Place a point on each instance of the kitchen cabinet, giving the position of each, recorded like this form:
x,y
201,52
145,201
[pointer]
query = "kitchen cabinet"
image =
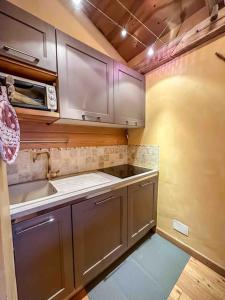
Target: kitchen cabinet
x,y
44,256
61,251
142,209
25,38
99,233
91,86
85,81
129,96
35,115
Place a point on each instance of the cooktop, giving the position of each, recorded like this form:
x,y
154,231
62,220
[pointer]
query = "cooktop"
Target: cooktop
x,y
124,171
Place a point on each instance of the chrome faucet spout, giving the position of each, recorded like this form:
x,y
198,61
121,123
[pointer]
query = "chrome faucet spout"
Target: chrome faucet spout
x,y
50,174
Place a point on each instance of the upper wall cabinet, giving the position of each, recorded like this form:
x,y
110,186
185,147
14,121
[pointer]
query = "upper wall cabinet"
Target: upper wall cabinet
x,y
129,96
85,81
26,38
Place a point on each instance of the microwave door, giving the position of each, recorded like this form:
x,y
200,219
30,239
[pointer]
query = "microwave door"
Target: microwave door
x,y
29,95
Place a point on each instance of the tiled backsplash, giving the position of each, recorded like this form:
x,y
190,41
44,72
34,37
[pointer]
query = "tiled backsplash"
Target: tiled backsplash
x,y
80,159
143,156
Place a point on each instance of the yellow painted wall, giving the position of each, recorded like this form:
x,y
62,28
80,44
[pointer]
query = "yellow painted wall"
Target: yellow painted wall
x,y
63,15
186,116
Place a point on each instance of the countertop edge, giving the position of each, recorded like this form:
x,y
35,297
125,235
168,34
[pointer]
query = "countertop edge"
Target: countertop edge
x,y
61,199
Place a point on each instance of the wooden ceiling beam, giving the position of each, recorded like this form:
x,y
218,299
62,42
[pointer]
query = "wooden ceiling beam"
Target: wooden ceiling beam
x,y
201,33
154,14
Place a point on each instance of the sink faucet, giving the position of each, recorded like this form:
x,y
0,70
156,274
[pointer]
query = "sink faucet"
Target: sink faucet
x,y
50,174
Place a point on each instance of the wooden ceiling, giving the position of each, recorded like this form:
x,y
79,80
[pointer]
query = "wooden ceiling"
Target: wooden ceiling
x,y
157,15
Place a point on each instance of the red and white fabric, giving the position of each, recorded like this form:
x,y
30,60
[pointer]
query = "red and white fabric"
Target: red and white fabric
x,y
9,129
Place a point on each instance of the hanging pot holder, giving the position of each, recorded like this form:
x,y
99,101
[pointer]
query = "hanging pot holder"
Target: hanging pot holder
x,y
9,129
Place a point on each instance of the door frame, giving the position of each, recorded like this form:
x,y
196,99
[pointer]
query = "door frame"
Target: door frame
x,y
8,289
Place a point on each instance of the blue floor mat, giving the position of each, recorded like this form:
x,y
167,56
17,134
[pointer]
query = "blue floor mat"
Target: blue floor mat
x,y
149,273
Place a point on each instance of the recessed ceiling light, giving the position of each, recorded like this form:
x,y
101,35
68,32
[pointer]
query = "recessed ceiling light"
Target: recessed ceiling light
x,y
150,51
123,32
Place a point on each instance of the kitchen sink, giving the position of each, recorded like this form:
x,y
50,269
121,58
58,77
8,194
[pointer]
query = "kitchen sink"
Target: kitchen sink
x,y
24,192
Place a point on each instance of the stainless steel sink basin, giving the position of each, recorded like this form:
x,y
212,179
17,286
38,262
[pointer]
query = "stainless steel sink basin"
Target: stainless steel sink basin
x,y
29,191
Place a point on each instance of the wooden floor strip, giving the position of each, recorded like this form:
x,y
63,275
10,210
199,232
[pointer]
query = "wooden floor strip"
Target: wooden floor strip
x,y
198,282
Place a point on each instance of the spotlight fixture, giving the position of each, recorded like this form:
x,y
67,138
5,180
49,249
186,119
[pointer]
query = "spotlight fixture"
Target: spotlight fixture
x,y
150,51
77,3
123,32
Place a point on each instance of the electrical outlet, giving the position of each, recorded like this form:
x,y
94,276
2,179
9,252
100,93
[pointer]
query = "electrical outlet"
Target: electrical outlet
x,y
180,227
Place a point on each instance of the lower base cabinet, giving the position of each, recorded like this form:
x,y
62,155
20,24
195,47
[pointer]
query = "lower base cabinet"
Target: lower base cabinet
x,y
53,248
99,234
44,257
142,209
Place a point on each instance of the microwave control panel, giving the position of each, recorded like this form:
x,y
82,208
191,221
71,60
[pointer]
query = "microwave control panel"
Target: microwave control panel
x,y
51,97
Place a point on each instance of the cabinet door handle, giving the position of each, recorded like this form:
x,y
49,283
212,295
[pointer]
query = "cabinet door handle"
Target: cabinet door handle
x,y
50,220
133,123
105,200
145,184
86,117
7,48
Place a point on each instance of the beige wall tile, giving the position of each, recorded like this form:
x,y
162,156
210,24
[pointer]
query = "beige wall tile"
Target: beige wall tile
x,y
80,159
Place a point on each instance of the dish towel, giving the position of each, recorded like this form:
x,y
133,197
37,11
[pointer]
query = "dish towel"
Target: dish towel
x,y
9,129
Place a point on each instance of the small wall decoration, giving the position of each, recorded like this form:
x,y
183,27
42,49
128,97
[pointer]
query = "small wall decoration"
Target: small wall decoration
x,y
9,129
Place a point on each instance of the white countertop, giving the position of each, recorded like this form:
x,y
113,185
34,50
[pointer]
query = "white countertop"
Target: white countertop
x,y
76,187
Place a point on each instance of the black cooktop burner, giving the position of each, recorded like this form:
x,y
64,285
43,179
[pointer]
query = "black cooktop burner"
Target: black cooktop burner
x,y
124,171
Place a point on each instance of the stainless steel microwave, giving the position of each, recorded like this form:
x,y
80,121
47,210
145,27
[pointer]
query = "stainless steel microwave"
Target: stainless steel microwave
x,y
30,94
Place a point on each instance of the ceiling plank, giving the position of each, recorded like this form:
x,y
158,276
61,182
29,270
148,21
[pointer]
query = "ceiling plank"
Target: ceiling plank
x,y
155,14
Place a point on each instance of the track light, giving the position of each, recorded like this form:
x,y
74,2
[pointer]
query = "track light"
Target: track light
x,y
77,3
150,51
123,32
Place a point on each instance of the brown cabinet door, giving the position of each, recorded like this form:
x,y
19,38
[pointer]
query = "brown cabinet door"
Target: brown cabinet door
x,y
44,256
85,81
129,96
99,233
142,202
26,38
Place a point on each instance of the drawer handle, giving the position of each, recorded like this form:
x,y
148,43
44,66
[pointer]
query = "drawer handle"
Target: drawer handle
x,y
7,48
145,184
50,220
86,117
134,123
105,200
